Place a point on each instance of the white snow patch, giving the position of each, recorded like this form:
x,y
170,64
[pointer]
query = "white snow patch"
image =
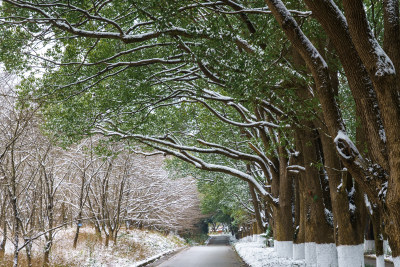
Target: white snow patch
x,y
380,261
256,254
299,252
342,136
396,261
352,207
386,247
328,216
384,66
296,167
382,134
369,245
311,253
327,255
339,187
284,248
258,238
351,256
368,204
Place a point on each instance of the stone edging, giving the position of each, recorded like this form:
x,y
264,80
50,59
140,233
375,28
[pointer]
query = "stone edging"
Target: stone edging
x,y
151,260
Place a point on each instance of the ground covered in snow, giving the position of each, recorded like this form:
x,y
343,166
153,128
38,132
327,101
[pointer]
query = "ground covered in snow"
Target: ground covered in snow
x,y
255,253
132,248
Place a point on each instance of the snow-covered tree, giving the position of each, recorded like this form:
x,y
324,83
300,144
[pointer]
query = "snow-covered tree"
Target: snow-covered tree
x,y
145,72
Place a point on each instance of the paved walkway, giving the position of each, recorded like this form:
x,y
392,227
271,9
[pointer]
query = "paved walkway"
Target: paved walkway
x,y
372,262
217,253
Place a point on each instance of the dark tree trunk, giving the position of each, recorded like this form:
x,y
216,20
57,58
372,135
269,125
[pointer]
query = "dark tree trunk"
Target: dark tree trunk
x,y
385,79
256,206
28,250
319,230
299,181
76,236
283,223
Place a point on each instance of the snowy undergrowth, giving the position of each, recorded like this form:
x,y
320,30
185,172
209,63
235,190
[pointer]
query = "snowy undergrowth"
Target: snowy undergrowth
x,y
132,247
255,253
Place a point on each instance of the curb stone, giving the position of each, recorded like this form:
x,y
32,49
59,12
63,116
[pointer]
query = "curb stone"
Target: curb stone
x,y
245,264
149,262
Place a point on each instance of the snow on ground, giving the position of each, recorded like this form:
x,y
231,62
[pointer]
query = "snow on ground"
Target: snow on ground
x,y
133,247
369,247
386,257
255,253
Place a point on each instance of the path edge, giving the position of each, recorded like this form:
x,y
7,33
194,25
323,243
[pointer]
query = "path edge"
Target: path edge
x,y
168,254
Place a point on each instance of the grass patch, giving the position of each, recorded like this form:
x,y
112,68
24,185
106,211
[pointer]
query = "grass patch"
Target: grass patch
x,y
128,248
8,260
131,246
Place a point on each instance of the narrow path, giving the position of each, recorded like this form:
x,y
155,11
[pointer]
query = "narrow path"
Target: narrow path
x,y
372,262
217,253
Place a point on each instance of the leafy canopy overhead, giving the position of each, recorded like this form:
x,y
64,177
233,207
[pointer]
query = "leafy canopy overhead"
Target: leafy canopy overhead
x,y
121,60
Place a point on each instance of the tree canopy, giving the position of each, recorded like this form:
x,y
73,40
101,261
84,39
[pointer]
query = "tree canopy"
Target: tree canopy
x,y
299,100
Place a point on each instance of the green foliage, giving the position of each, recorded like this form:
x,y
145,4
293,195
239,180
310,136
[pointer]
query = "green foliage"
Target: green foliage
x,y
347,105
219,193
76,103
92,82
194,239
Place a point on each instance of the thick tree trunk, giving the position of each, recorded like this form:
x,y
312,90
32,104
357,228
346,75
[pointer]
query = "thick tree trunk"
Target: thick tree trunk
x,y
335,25
349,230
299,242
314,62
320,245
300,213
385,79
283,230
378,237
391,38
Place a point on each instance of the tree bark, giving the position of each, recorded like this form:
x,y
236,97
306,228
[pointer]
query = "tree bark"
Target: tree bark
x,y
319,229
384,77
300,231
4,227
377,227
75,243
314,61
391,37
335,25
28,250
283,223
